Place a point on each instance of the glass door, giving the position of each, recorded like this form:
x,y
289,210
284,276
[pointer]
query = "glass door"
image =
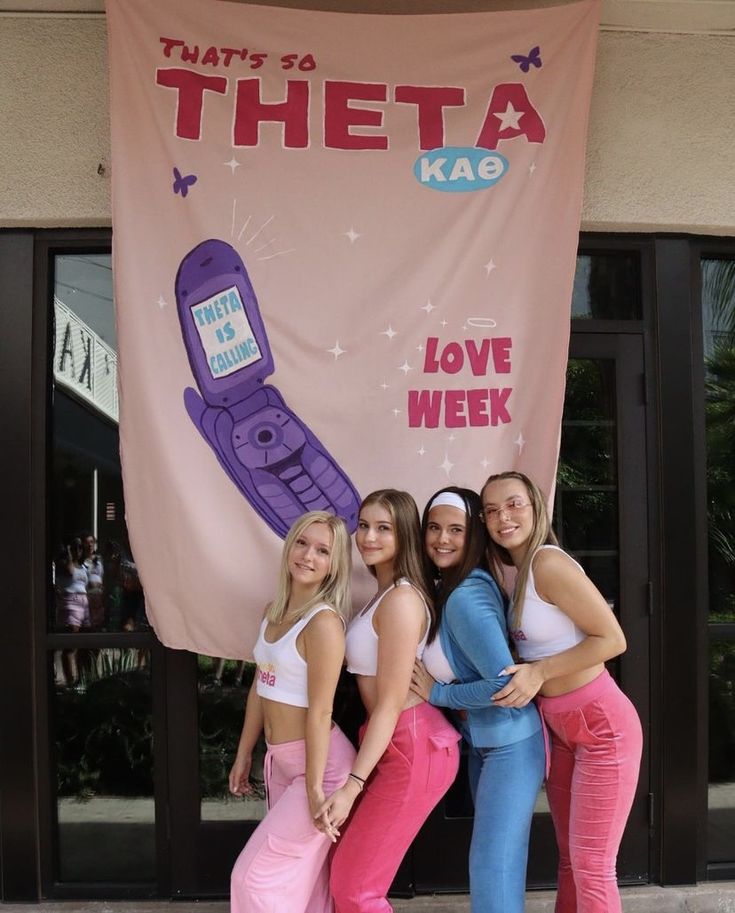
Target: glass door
x,y
601,518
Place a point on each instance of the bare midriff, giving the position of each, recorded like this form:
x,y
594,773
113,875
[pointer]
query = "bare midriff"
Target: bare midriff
x,y
563,684
283,722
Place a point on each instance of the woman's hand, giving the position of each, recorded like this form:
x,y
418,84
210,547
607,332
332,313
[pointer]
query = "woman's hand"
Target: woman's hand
x,y
522,688
421,681
335,810
239,779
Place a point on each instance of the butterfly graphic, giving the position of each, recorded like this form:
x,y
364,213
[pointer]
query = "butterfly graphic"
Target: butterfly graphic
x,y
525,63
183,183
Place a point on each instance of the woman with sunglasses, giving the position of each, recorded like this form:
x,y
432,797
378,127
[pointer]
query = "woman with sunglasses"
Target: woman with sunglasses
x,y
564,632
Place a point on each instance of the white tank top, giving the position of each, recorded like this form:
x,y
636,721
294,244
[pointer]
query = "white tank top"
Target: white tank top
x,y
545,630
281,672
437,664
361,641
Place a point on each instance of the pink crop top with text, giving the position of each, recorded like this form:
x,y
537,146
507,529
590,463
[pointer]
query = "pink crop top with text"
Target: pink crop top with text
x,y
281,672
361,642
545,630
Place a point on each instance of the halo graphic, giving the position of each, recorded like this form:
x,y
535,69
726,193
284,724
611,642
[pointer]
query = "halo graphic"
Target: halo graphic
x,y
481,323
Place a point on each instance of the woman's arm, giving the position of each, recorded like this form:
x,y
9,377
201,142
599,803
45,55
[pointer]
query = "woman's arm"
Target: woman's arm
x,y
399,621
561,582
474,616
324,649
251,728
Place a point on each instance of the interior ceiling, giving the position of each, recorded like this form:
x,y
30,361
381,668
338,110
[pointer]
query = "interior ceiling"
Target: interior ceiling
x,y
677,16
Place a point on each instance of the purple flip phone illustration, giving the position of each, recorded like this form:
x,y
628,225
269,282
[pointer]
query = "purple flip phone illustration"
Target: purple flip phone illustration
x,y
269,452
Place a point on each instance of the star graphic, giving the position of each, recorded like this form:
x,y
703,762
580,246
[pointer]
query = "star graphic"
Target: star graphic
x,y
232,164
452,437
443,322
520,442
162,303
352,235
419,348
428,307
421,450
509,118
490,266
532,167
405,367
447,465
390,333
384,385
484,462
396,412
336,351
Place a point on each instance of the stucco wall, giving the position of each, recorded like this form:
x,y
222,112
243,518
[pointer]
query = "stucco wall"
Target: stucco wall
x,y
661,152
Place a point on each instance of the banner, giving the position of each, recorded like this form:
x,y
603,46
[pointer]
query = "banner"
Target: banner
x,y
344,247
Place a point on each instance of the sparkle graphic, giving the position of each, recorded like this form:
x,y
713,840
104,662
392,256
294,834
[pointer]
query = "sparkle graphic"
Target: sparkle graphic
x,y
419,348
396,412
421,450
162,303
447,465
452,437
443,322
390,333
532,167
405,367
384,385
520,443
428,307
509,118
232,164
352,235
484,462
490,266
336,351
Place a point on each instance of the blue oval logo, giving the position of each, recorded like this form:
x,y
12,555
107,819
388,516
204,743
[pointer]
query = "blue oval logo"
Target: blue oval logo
x,y
459,169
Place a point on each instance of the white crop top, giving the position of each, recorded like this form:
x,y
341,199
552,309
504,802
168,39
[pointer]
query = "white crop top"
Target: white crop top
x,y
281,672
545,630
361,641
437,664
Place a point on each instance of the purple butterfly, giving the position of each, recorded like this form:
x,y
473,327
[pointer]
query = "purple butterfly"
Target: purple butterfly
x,y
182,184
525,63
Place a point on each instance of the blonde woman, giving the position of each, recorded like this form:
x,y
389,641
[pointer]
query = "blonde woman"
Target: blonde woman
x,y
564,632
299,654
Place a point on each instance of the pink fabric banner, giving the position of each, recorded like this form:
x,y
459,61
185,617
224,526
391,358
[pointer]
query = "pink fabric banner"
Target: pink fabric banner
x,y
344,248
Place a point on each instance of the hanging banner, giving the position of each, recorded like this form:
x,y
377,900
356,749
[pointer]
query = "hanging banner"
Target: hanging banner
x,y
344,248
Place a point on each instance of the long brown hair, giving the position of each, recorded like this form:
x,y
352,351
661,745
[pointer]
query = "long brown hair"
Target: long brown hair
x,y
541,534
409,561
474,553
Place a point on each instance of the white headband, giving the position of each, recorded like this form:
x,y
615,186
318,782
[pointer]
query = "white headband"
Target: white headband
x,y
448,499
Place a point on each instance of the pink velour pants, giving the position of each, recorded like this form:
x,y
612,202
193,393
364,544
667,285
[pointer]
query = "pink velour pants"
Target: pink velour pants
x,y
415,771
596,744
283,867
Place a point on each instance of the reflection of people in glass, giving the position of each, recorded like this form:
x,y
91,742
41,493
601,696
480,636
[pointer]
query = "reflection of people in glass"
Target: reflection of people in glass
x,y
95,574
299,653
71,600
506,756
564,632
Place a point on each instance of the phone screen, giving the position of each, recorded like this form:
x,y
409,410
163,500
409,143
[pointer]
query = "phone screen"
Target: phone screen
x,y
225,333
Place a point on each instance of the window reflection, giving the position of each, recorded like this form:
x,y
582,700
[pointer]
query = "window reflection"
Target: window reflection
x,y
102,733
607,287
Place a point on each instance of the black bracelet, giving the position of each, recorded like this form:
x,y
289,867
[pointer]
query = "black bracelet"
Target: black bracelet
x,y
359,779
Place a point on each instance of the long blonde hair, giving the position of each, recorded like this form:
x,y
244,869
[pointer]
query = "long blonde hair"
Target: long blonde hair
x,y
541,534
335,588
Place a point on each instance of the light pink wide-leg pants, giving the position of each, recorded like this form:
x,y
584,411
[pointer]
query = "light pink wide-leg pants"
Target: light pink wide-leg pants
x,y
283,867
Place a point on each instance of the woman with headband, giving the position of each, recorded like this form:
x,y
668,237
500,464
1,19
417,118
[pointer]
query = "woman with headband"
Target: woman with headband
x,y
461,669
408,753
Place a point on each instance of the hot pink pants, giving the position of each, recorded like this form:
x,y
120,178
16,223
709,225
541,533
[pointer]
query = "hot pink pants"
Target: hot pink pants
x,y
596,743
417,768
283,867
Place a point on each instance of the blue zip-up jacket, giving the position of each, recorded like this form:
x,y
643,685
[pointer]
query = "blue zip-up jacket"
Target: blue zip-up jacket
x,y
474,636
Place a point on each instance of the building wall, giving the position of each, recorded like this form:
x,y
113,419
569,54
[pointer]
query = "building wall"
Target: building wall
x,y
660,155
